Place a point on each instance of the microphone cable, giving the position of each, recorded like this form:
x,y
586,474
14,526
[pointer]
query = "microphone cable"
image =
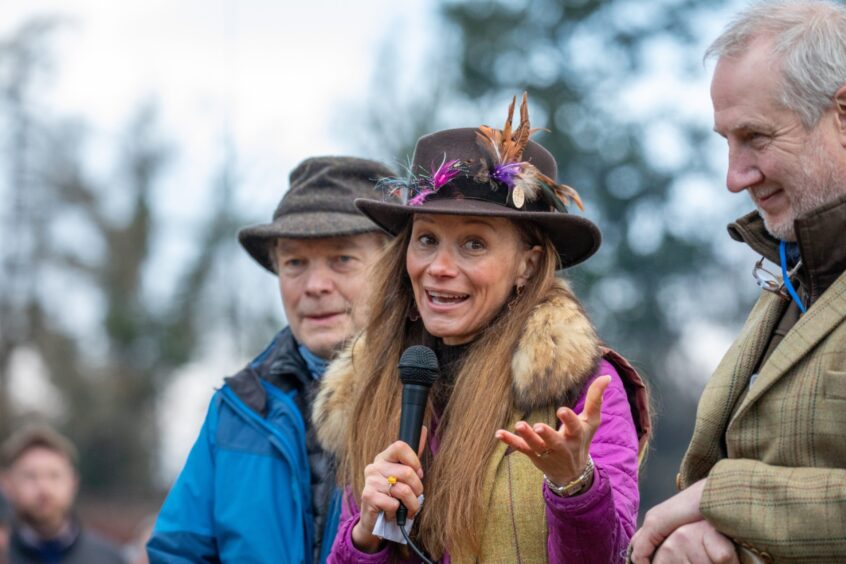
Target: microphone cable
x,y
413,546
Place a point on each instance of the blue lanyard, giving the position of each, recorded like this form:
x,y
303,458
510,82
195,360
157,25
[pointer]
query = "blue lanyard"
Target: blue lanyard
x,y
782,253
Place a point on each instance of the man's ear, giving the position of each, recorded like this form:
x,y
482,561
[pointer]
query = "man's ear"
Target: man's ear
x,y
840,108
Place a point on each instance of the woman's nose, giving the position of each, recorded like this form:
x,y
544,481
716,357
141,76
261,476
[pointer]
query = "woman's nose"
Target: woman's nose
x,y
443,264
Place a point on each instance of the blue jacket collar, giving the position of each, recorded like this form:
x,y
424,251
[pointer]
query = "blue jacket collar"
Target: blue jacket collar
x,y
280,364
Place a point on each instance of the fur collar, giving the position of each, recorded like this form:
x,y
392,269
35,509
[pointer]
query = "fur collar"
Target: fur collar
x,y
558,352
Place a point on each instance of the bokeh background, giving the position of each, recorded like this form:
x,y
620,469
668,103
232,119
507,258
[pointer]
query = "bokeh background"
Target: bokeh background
x,y
137,136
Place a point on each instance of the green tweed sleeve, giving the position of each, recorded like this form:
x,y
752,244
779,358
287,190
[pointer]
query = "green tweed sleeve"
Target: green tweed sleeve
x,y
787,513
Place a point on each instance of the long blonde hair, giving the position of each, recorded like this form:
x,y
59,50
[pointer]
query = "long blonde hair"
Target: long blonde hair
x,y
481,400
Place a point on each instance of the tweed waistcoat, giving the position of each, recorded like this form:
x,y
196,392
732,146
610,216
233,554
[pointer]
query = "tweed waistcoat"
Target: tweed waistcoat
x,y
515,528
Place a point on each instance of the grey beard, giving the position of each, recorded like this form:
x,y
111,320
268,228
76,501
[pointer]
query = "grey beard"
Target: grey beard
x,y
817,191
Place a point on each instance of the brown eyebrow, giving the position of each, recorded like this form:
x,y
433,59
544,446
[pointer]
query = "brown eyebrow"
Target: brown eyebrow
x,y
469,221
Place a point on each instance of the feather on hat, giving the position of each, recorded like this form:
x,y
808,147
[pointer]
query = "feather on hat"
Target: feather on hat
x,y
491,172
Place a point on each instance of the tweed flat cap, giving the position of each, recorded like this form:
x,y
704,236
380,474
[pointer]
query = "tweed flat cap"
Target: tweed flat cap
x,y
319,203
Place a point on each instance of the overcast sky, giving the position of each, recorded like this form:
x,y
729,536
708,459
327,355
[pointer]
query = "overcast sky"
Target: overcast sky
x,y
273,73
275,77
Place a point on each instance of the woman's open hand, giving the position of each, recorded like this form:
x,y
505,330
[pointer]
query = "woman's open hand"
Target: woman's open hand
x,y
401,464
561,454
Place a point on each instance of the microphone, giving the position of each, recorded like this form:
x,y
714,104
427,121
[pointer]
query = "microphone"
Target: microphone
x,y
418,370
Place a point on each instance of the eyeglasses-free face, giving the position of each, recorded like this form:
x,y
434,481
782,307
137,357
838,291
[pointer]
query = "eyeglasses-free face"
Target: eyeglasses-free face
x,y
463,269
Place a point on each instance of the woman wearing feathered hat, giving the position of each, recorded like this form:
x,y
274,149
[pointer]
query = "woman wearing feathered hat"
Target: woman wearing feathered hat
x,y
535,429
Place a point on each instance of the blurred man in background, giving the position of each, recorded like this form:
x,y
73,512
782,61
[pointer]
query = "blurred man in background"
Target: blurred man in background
x,y
41,481
766,467
257,487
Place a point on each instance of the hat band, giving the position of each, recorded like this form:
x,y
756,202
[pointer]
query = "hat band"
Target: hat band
x,y
465,187
312,207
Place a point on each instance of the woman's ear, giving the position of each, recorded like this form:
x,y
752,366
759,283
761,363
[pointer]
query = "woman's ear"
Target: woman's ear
x,y
528,264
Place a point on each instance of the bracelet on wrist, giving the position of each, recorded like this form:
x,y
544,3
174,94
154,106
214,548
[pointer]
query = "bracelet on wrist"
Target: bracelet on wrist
x,y
576,486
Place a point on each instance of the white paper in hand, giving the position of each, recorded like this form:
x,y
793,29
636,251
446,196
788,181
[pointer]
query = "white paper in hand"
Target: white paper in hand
x,y
389,530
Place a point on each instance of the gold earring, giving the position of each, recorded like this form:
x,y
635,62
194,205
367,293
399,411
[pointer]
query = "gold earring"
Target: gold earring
x,y
517,291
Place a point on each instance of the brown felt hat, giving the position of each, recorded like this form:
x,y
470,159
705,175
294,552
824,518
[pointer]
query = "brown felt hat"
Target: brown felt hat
x,y
319,203
473,191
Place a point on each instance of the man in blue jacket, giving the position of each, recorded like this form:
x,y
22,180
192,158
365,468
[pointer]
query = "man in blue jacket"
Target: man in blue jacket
x,y
256,487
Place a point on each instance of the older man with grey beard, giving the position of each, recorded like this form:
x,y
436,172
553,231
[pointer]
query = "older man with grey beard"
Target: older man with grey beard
x,y
764,477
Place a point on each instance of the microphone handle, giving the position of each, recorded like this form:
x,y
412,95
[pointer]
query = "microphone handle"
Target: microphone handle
x,y
414,397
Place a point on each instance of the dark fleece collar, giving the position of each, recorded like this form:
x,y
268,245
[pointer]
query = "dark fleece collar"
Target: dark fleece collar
x,y
280,364
820,235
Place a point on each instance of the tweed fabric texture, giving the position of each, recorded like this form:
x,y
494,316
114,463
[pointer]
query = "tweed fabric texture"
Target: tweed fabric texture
x,y
319,203
776,463
514,529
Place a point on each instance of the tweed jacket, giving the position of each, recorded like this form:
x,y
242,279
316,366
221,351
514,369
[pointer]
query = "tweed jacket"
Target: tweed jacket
x,y
557,355
774,452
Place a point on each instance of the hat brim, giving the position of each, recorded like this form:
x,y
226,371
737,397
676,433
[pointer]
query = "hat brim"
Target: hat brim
x,y
257,239
575,238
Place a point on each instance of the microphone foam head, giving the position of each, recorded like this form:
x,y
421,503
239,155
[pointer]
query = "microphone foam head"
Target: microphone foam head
x,y
418,365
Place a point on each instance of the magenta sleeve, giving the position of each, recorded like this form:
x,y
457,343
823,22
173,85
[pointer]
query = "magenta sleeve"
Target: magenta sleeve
x,y
596,526
343,549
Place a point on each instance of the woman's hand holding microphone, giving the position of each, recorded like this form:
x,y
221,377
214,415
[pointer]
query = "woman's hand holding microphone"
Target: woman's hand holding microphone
x,y
395,476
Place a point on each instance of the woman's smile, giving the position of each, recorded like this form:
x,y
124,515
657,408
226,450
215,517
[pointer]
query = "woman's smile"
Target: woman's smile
x,y
440,298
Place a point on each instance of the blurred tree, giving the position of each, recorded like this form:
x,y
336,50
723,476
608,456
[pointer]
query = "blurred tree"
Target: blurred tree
x,y
24,63
576,59
77,247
